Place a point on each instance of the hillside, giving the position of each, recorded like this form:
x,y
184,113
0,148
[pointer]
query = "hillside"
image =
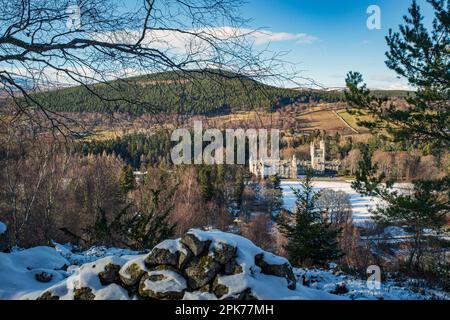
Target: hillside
x,y
207,92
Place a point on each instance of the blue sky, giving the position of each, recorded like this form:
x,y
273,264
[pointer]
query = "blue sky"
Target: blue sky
x,y
338,39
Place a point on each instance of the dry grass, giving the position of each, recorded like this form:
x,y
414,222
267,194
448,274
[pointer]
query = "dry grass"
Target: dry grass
x,y
352,120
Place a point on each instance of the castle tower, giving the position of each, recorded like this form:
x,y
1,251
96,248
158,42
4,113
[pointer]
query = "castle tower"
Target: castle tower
x,y
318,156
322,150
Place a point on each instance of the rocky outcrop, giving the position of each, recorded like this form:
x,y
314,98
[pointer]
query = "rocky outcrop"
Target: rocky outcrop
x,y
202,263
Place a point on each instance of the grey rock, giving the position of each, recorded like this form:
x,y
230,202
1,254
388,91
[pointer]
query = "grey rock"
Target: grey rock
x,y
131,274
47,295
201,270
84,293
196,245
176,293
279,270
161,256
109,275
223,252
43,277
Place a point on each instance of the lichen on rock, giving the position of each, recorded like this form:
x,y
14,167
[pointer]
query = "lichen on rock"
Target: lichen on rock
x,y
201,270
84,293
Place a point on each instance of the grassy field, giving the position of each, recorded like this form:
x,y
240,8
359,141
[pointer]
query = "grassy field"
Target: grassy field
x,y
322,118
352,120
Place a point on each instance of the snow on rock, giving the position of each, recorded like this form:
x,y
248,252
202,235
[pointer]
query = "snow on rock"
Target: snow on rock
x,y
201,265
169,252
98,280
30,270
163,284
132,271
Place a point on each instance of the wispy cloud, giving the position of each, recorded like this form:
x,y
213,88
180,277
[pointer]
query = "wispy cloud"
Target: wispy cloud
x,y
389,82
264,36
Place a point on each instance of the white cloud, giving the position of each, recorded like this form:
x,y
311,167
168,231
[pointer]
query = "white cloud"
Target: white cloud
x,y
181,39
388,81
263,37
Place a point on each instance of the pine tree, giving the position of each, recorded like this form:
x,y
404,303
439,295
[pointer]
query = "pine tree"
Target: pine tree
x,y
100,232
126,179
421,56
310,239
145,226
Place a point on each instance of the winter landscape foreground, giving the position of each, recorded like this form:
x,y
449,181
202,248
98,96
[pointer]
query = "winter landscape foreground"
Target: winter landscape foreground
x,y
202,265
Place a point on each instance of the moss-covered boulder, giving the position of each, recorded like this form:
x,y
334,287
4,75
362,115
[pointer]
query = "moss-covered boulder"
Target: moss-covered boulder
x,y
219,289
169,252
224,252
132,272
110,274
161,256
84,293
201,270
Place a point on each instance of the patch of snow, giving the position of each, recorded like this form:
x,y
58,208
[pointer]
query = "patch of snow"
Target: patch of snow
x,y
326,280
18,270
92,254
172,282
86,276
2,228
361,204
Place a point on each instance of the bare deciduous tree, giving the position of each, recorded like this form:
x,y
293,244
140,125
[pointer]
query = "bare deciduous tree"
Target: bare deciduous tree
x,y
46,44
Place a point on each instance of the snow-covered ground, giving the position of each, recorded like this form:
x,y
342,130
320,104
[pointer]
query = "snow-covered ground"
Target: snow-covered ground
x,y
358,289
58,272
360,204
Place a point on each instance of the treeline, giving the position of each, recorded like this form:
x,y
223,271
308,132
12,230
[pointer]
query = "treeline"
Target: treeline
x,y
134,149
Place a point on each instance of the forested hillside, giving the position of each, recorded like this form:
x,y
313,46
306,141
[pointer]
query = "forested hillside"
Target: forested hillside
x,y
207,92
